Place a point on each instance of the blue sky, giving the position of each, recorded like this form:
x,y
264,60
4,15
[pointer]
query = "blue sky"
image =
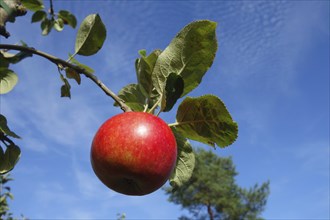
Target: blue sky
x,y
271,70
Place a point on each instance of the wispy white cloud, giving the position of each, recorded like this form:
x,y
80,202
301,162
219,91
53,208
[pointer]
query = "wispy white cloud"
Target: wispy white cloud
x,y
314,158
248,34
51,194
41,112
87,182
262,43
299,173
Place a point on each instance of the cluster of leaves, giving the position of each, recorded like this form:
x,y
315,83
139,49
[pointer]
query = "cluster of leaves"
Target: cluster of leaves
x,y
163,77
5,195
49,19
212,193
88,42
8,78
11,155
9,151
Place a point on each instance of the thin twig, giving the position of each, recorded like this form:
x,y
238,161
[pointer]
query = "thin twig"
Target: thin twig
x,y
51,9
62,63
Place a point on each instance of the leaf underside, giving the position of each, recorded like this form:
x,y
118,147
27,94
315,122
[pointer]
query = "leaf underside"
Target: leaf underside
x,y
190,54
133,97
185,161
207,120
8,80
91,36
9,158
173,91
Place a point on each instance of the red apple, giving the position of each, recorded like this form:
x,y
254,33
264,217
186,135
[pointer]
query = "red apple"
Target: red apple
x,y
134,153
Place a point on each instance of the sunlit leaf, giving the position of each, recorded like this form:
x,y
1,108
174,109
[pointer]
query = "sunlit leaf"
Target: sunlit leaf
x,y
8,80
68,18
5,129
133,97
6,58
33,5
14,58
207,120
7,9
59,24
185,161
46,26
144,67
190,54
91,36
143,53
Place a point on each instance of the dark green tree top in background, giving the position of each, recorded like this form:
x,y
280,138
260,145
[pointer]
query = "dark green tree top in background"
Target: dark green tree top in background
x,y
212,192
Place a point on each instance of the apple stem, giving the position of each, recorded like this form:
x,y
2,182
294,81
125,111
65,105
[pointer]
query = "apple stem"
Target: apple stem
x,y
145,108
62,64
158,113
155,106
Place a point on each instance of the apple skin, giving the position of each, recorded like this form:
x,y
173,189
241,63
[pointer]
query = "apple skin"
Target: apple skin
x,y
134,153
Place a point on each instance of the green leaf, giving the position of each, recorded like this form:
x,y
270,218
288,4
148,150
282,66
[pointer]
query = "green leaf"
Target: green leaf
x,y
38,16
72,74
9,159
144,67
76,62
59,24
173,91
68,18
5,129
190,54
185,161
15,58
143,53
4,63
7,9
133,97
65,89
8,80
10,195
46,26
91,36
2,163
6,57
207,120
33,5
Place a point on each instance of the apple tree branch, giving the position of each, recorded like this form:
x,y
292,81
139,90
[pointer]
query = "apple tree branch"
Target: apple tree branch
x,y
62,64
